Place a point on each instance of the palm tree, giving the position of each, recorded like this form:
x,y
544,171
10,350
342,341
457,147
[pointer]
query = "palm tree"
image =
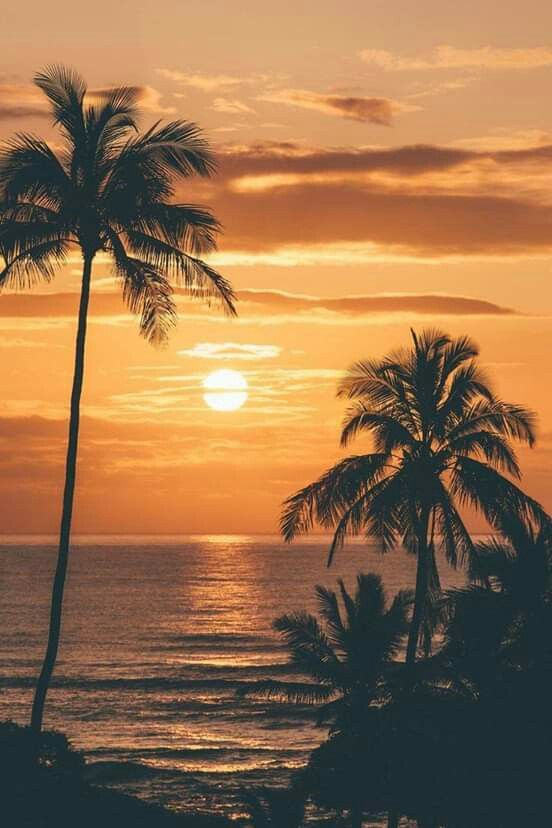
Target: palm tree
x,y
349,656
107,189
495,665
442,441
498,626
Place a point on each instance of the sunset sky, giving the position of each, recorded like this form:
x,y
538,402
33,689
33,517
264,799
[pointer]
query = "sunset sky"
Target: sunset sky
x,y
383,165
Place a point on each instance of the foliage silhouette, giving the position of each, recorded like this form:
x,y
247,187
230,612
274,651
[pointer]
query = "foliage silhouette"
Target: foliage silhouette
x,y
43,784
498,634
350,656
108,189
442,441
477,716
483,735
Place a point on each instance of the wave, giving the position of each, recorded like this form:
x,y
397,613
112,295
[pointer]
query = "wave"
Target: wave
x,y
217,641
230,678
118,771
199,752
126,773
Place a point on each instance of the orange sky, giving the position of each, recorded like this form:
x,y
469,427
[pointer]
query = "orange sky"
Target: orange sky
x,y
367,149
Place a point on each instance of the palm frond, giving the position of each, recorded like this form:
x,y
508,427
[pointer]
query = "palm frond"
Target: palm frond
x,y
467,384
65,89
309,645
198,278
286,691
484,488
389,432
449,525
490,446
512,421
108,122
34,264
325,500
454,354
328,606
147,293
184,226
30,171
176,148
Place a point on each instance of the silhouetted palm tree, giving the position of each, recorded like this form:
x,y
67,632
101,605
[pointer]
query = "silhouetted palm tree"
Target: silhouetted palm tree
x,y
106,189
350,655
492,715
500,624
442,441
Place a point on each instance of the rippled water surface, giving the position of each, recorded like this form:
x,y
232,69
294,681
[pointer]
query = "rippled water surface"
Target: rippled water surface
x,y
158,635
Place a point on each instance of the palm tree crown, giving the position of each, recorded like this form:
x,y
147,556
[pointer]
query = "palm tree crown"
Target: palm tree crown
x,y
110,189
498,626
349,654
442,442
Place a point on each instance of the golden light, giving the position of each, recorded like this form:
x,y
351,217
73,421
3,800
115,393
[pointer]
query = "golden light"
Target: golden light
x,y
225,390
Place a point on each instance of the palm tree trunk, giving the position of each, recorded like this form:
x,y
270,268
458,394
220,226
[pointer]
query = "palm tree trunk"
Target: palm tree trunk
x,y
50,656
393,819
420,596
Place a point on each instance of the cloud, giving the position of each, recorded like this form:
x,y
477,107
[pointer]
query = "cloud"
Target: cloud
x,y
231,105
204,82
37,308
149,99
379,111
415,223
231,350
21,101
425,304
449,57
286,157
412,201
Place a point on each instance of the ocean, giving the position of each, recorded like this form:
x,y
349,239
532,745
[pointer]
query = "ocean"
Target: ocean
x,y
158,635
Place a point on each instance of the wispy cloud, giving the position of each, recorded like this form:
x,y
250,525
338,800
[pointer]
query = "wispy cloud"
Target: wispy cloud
x,y
231,105
379,111
450,57
423,201
429,304
149,99
21,100
43,310
231,350
263,307
207,82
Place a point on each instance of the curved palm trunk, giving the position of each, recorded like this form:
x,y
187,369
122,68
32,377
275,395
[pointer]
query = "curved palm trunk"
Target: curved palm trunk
x,y
50,656
393,819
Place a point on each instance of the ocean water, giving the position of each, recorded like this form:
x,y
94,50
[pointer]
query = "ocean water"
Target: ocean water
x,y
158,635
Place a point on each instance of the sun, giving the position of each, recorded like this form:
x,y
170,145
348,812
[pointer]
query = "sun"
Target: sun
x,y
225,390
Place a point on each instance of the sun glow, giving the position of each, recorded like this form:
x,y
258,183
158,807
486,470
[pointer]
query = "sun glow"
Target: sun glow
x,y
225,390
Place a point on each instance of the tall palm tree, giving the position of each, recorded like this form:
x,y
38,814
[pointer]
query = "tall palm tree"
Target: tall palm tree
x,y
349,656
107,189
442,441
